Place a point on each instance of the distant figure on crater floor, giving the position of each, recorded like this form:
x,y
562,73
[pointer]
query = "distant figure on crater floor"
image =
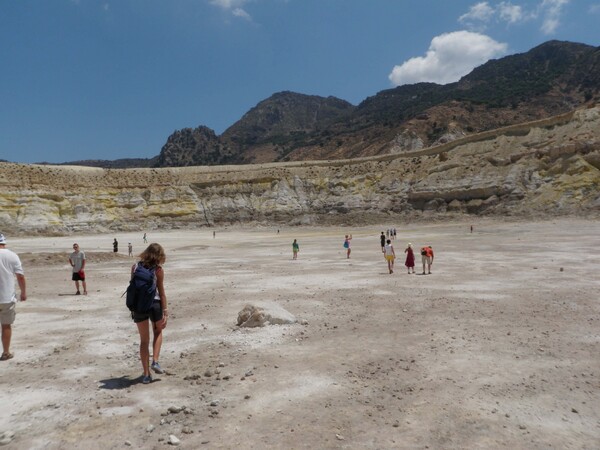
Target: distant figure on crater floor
x,y
389,255
295,249
77,261
347,245
410,258
382,240
145,239
427,258
130,249
115,246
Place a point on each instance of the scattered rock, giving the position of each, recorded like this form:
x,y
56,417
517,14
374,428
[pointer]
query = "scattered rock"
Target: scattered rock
x,y
173,440
253,316
6,437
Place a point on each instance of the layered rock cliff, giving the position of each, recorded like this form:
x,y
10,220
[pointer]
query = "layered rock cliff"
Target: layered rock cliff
x,y
548,167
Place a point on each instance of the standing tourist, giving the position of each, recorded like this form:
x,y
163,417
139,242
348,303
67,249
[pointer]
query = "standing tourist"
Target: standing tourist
x,y
115,246
145,239
130,249
77,261
390,255
410,258
152,259
427,258
382,240
347,245
295,249
10,266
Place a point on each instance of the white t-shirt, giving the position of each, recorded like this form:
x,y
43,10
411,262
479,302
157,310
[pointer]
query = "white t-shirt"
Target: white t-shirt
x,y
10,264
77,259
388,250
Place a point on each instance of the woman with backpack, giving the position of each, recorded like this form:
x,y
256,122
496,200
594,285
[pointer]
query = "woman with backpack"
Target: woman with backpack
x,y
151,260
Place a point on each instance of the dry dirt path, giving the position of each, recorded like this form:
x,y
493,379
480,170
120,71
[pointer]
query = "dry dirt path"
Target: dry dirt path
x,y
498,348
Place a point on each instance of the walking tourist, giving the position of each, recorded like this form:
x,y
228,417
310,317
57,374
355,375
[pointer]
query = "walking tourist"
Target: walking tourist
x,y
10,267
390,255
152,259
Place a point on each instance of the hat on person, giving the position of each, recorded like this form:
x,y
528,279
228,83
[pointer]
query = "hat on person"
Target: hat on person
x,y
2,239
409,244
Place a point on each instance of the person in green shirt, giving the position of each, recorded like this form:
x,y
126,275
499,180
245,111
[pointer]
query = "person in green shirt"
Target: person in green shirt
x,y
295,249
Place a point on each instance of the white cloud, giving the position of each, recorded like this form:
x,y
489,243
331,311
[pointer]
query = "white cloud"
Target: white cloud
x,y
481,11
228,4
511,13
552,12
450,56
233,6
239,12
548,11
595,9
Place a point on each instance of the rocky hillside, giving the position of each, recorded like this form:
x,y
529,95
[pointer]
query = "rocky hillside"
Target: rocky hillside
x,y
548,80
547,167
263,134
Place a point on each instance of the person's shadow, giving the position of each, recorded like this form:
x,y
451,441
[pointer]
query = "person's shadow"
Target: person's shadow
x,y
120,382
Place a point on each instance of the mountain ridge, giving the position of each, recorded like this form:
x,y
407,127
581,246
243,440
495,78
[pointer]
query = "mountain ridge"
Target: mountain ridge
x,y
550,79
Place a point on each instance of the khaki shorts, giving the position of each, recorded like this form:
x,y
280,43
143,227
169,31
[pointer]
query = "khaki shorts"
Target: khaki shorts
x,y
426,259
7,313
389,257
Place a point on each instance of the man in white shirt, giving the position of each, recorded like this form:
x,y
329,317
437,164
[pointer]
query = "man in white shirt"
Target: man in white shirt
x,y
10,266
77,261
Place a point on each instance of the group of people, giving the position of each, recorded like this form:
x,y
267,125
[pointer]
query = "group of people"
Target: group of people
x,y
152,258
388,252
390,256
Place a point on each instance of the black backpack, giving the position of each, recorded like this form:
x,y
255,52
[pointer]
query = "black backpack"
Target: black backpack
x,y
141,290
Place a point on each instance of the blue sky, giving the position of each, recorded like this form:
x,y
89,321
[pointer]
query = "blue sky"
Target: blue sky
x,y
108,79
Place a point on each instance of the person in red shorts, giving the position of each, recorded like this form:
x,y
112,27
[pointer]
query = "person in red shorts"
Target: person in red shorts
x,y
77,261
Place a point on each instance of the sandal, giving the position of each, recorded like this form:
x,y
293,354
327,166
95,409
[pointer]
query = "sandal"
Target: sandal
x,y
6,356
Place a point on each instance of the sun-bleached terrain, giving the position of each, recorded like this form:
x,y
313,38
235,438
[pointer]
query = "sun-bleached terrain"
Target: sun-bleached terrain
x,y
498,348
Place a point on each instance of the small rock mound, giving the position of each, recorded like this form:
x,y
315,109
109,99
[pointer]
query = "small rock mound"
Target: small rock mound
x,y
253,316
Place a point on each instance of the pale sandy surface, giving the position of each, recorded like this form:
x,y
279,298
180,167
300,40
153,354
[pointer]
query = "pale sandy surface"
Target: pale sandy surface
x,y
498,348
